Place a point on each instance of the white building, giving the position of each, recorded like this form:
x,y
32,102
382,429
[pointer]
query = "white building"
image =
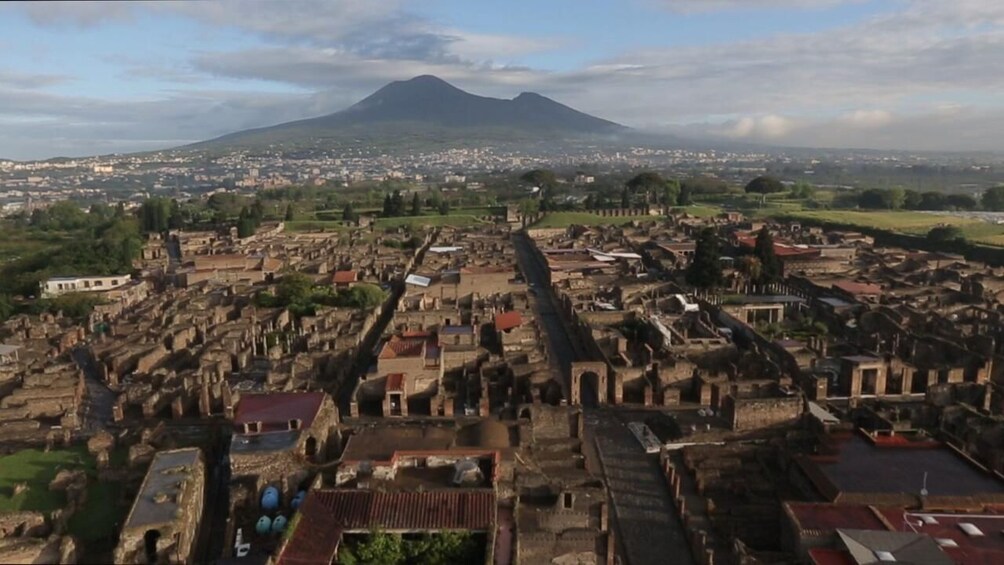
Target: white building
x,y
62,285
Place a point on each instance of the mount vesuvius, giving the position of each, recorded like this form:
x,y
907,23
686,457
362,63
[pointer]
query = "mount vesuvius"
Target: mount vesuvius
x,y
430,109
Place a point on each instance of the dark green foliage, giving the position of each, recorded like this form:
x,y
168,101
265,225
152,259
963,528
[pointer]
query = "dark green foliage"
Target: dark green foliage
x,y
104,248
443,548
298,293
348,214
942,234
416,205
912,200
705,270
246,224
802,190
993,199
961,202
444,207
226,203
770,265
542,178
704,185
63,215
6,308
625,198
155,214
76,305
290,215
764,185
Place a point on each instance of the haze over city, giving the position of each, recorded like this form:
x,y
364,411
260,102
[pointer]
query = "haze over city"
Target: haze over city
x,y
82,78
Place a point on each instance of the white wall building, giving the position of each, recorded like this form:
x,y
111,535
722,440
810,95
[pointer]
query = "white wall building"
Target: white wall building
x,y
62,285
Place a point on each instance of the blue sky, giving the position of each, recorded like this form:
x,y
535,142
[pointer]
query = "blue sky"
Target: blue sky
x,y
79,78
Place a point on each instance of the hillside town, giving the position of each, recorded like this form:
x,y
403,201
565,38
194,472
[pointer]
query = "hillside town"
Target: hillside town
x,y
508,394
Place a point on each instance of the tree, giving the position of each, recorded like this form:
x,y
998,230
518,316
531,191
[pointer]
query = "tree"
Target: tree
x,y
942,234
961,202
625,198
528,208
932,200
652,184
897,198
803,190
751,267
763,250
875,199
388,206
704,185
290,214
257,212
154,214
912,200
348,213
294,288
397,204
764,184
176,218
377,547
705,270
6,308
444,207
542,178
416,205
365,296
993,199
245,223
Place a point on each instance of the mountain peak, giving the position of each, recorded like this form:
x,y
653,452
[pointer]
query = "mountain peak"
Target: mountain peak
x,y
413,106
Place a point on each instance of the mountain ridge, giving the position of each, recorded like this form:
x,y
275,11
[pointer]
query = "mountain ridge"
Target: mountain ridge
x,y
429,104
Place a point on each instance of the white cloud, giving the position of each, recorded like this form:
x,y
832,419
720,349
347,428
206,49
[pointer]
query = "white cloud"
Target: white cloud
x,y
702,6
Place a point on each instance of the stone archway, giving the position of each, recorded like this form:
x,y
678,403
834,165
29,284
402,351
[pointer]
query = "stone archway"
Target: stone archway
x,y
593,376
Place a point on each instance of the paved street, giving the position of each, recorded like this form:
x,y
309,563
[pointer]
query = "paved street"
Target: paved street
x,y
644,517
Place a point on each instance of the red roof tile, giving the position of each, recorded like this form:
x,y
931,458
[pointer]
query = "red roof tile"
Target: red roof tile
x,y
432,510
824,556
395,382
828,517
278,408
402,347
312,541
854,288
344,277
508,320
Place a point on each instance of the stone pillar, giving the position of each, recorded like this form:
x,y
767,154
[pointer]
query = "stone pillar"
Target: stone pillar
x,y
118,409
855,391
177,407
880,380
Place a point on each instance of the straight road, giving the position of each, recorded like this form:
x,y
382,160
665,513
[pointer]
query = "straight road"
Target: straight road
x,y
647,527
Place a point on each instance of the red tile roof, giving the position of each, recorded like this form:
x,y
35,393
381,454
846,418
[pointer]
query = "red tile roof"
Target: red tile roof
x,y
432,510
823,556
780,249
508,320
275,410
344,277
327,513
815,517
402,347
312,541
855,288
395,382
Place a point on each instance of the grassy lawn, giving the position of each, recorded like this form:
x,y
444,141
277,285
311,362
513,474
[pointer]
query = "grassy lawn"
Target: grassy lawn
x,y
699,210
101,512
37,468
565,219
459,221
315,225
17,242
916,223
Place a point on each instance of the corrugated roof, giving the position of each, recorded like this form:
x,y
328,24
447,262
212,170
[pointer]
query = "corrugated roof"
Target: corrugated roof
x,y
278,408
433,510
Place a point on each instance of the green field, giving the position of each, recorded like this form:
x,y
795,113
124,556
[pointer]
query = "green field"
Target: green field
x,y
565,219
699,210
915,223
36,468
315,225
413,222
17,242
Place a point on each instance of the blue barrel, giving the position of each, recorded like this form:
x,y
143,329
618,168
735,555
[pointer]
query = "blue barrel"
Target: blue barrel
x,y
263,526
279,524
270,499
298,500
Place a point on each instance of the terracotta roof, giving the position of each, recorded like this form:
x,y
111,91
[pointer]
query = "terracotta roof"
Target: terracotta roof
x,y
821,518
780,249
432,510
344,277
402,347
313,541
395,382
275,410
508,320
853,288
825,556
486,270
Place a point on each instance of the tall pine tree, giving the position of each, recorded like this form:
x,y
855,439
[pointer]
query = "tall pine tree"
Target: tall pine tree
x,y
770,265
705,270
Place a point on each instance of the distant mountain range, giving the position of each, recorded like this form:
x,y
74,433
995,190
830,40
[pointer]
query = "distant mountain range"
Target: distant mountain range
x,y
429,109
